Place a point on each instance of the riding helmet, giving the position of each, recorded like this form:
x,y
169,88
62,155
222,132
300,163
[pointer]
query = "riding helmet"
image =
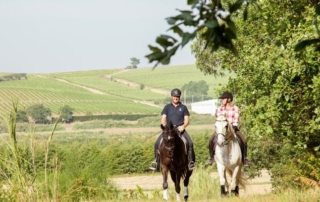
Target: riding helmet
x,y
176,92
226,95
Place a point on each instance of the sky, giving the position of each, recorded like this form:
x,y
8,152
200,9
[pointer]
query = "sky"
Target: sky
x,y
42,36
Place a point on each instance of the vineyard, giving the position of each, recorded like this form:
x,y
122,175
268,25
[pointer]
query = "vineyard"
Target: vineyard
x,y
98,91
55,94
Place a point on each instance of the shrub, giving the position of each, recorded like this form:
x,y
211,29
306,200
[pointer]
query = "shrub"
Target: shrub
x,y
66,114
39,113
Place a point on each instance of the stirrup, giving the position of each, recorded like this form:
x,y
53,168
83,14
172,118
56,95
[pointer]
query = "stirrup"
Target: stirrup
x,y
191,165
153,166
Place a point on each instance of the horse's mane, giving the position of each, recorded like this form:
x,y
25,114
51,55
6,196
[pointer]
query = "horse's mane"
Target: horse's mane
x,y
231,132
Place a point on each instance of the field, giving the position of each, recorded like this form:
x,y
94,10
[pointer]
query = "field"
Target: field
x,y
123,107
141,91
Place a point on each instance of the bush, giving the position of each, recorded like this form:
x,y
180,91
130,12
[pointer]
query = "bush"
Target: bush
x,y
22,116
39,113
66,114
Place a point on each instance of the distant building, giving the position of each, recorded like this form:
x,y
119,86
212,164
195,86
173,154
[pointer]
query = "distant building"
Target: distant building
x,y
205,107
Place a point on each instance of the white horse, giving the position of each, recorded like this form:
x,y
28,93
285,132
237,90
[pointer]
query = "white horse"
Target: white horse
x,y
228,157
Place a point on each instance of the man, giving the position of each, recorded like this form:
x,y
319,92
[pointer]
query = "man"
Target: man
x,y
178,114
232,113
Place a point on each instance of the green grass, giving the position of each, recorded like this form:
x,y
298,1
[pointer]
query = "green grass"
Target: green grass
x,y
169,77
100,82
55,94
75,162
117,98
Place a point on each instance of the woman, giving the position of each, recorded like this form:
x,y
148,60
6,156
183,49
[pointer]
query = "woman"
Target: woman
x,y
232,114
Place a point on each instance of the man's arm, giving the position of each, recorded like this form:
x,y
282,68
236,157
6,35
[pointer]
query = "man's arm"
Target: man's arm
x,y
185,124
163,120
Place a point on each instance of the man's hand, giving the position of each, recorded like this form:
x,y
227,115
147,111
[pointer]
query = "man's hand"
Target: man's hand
x,y
181,128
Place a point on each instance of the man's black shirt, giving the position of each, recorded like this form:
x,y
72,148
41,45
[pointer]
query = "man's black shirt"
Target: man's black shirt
x,y
176,114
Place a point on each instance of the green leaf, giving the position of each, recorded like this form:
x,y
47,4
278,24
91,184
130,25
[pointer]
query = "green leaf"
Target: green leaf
x,y
172,20
192,2
176,29
165,41
155,56
168,54
211,24
187,18
186,37
154,49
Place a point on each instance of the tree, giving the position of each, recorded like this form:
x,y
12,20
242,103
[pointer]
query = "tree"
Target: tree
x,y
198,90
212,20
39,113
66,113
275,53
22,116
277,89
134,63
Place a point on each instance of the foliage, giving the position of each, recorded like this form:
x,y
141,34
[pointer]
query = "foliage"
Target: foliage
x,y
134,63
22,116
66,113
211,20
276,88
39,113
16,76
196,90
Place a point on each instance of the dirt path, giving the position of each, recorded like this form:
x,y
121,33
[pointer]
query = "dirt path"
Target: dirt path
x,y
92,90
135,85
99,92
257,186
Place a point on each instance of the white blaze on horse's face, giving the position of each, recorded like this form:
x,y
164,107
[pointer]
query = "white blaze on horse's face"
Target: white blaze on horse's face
x,y
221,129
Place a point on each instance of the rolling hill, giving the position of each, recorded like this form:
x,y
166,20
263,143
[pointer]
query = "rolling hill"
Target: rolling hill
x,y
116,91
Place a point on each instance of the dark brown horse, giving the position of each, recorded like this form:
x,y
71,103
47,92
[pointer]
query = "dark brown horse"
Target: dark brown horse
x,y
173,158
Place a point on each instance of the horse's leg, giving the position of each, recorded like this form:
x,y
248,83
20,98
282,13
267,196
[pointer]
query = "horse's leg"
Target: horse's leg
x,y
234,181
186,183
165,182
177,185
222,177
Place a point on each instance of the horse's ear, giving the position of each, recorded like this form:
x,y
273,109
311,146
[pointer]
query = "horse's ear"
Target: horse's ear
x,y
170,125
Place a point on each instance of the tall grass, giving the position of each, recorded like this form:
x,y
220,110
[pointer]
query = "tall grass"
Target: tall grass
x,y
53,168
34,172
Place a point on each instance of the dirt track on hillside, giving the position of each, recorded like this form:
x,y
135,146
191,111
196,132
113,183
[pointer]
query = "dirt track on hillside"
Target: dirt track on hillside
x,y
257,186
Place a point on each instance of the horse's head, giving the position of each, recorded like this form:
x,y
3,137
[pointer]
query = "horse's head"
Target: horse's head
x,y
169,132
223,130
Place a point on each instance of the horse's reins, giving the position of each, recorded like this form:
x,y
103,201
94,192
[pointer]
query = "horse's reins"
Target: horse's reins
x,y
226,142
171,148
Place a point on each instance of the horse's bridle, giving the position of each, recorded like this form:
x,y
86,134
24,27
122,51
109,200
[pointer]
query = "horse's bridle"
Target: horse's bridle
x,y
226,140
170,138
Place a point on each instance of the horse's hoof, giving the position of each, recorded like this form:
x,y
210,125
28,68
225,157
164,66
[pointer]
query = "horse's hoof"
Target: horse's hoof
x,y
235,192
186,198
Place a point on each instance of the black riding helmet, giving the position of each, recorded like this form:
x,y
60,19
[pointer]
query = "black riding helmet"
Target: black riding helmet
x,y
226,95
176,92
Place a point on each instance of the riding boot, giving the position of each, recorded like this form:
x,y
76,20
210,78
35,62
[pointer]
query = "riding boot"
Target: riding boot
x,y
211,146
155,165
191,158
243,147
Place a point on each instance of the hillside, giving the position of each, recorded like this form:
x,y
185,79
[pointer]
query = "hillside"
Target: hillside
x,y
117,91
